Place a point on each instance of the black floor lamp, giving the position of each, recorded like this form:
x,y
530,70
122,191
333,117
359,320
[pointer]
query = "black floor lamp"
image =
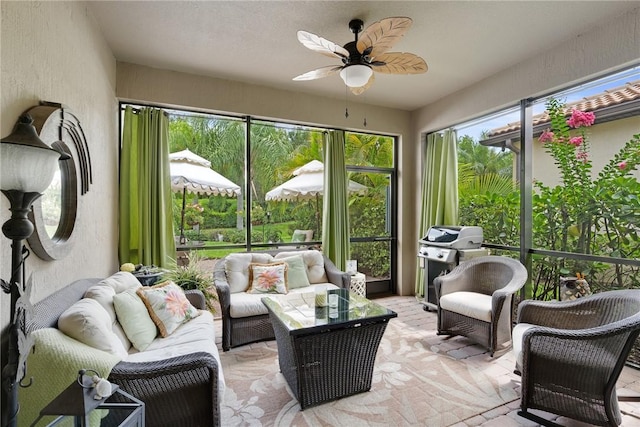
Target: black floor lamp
x,y
27,168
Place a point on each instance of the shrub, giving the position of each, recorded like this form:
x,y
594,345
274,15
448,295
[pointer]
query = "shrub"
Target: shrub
x,y
191,277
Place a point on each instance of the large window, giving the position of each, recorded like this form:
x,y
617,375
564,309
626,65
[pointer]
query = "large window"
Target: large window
x,y
572,203
488,189
278,169
370,161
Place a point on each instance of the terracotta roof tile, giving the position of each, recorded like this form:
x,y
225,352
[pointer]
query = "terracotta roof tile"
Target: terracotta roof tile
x,y
620,95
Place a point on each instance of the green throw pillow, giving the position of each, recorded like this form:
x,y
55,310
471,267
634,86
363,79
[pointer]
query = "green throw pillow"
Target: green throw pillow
x,y
297,271
135,319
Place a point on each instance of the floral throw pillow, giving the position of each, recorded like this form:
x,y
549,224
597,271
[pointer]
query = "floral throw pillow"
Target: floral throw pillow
x,y
268,278
167,305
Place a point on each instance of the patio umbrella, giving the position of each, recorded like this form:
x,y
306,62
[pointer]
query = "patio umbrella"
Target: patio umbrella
x,y
192,173
307,183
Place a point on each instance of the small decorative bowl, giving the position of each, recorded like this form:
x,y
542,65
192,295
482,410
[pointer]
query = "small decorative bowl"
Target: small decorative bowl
x,y
147,278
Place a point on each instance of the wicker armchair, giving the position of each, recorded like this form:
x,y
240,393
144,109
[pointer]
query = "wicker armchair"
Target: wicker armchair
x,y
570,355
476,299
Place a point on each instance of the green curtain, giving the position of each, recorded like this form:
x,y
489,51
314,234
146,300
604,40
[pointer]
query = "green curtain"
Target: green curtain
x,y
335,213
146,214
439,189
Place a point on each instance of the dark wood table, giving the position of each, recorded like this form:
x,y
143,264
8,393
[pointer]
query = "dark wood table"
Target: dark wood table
x,y
326,353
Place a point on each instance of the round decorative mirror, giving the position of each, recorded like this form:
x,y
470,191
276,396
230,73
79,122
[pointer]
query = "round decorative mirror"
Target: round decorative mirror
x,y
54,213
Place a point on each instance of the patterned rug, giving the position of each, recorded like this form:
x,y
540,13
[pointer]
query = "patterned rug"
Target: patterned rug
x,y
419,379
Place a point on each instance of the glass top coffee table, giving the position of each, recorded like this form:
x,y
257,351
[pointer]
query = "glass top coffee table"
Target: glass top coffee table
x,y
326,353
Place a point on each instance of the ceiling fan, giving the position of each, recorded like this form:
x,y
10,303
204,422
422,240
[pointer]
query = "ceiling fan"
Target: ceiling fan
x,y
366,54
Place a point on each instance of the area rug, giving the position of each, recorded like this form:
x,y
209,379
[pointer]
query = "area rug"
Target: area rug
x,y
416,381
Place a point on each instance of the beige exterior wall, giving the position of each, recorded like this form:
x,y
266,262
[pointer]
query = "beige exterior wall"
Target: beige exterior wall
x,y
54,51
605,140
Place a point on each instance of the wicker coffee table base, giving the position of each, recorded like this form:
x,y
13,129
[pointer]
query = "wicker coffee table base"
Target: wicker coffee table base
x,y
329,365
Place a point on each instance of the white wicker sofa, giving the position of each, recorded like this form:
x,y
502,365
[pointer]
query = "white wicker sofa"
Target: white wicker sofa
x,y
245,318
84,326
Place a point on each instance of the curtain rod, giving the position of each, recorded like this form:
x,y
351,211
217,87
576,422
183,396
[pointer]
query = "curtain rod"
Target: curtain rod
x,y
137,110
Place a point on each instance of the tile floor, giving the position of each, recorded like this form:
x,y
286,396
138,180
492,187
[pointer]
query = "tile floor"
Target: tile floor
x,y
464,350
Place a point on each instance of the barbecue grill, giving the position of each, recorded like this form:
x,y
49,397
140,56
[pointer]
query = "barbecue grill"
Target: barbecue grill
x,y
442,249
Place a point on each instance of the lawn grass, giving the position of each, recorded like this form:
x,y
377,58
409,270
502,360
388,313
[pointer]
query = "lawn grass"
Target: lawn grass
x,y
209,249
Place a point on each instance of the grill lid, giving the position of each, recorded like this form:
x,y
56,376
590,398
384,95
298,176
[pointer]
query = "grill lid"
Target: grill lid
x,y
441,234
455,237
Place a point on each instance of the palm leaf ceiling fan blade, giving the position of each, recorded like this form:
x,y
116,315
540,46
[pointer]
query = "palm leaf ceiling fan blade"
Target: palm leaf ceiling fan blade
x,y
322,45
319,73
365,54
382,35
400,63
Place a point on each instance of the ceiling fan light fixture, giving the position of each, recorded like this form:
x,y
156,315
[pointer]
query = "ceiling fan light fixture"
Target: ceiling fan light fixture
x,y
356,75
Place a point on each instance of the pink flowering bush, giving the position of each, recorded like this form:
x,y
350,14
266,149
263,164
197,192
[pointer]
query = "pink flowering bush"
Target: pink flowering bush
x,y
580,119
586,214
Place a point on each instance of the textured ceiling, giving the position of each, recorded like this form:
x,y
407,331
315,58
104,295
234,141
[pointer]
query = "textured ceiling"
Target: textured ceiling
x,y
255,41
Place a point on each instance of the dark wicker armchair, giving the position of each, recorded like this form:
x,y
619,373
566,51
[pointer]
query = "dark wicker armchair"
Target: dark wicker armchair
x,y
476,299
570,355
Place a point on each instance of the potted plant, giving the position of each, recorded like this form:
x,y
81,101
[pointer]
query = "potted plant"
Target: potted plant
x,y
190,277
193,215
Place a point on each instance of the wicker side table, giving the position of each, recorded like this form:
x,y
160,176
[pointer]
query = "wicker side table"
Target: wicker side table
x,y
359,284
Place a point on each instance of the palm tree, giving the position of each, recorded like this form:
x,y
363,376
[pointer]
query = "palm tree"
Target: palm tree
x,y
483,160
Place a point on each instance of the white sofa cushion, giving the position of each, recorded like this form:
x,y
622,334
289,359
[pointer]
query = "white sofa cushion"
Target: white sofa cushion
x,y
104,295
121,281
470,304
237,269
314,262
89,323
195,336
246,305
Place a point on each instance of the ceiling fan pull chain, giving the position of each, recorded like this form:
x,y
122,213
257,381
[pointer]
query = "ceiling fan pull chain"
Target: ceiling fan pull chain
x,y
365,112
346,103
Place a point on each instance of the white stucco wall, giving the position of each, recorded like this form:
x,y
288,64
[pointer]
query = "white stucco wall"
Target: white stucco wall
x,y
54,51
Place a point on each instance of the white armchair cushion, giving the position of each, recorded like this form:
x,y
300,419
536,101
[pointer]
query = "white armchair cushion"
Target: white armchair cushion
x,y
237,269
89,323
470,304
517,334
